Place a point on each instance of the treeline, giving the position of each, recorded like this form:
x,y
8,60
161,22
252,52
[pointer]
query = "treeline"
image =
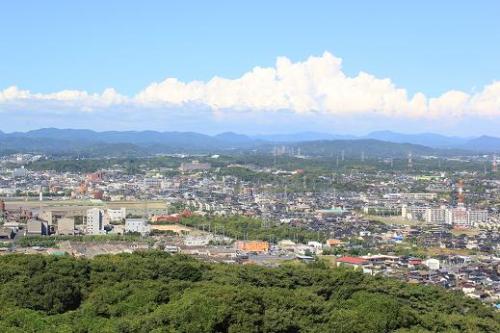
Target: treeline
x,y
155,292
310,180
248,228
319,165
129,165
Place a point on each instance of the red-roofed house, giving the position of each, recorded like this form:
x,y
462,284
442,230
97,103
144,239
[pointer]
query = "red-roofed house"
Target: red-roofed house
x,y
355,262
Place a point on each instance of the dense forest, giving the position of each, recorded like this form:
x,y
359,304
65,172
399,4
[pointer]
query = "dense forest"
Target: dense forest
x,y
155,292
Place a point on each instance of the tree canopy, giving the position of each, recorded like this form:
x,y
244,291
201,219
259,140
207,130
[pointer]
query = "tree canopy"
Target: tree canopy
x,y
155,292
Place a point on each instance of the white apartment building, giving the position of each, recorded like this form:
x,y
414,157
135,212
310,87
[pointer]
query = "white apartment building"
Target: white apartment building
x,y
457,216
95,222
419,196
477,216
460,216
435,215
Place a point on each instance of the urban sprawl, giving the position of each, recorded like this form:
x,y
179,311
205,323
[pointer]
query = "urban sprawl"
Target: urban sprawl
x,y
437,226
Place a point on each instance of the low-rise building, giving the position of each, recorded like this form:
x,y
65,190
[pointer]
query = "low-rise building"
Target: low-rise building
x,y
432,264
116,215
6,233
354,262
252,246
137,225
66,226
36,227
334,242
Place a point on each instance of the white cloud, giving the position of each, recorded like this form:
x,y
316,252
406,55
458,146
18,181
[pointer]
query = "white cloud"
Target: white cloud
x,y
487,102
316,85
65,99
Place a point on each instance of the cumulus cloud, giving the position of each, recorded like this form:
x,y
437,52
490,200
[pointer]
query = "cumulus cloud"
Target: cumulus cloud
x,y
314,86
319,85
65,99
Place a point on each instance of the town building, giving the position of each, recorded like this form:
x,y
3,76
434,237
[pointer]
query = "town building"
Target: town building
x,y
95,222
137,225
116,215
36,227
252,246
19,172
435,215
66,226
476,216
354,262
457,216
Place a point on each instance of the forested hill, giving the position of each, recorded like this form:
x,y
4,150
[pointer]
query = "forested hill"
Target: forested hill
x,y
155,292
87,143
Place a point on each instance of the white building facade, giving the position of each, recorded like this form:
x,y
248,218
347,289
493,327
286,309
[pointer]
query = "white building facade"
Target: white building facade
x,y
116,215
137,225
95,222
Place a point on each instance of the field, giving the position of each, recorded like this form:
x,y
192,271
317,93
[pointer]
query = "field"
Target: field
x,y
171,227
391,220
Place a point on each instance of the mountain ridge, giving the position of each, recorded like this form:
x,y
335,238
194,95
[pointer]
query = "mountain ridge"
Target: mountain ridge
x,y
53,139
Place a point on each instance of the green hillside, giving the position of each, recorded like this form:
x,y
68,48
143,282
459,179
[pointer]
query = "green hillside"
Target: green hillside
x,y
155,292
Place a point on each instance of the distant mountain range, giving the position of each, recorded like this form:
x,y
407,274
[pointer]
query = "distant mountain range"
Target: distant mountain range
x,y
63,141
302,136
425,139
477,144
76,141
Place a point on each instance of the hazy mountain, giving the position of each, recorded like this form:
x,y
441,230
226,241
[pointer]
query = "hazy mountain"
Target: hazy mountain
x,y
136,137
302,136
426,139
235,138
483,143
55,133
368,147
52,140
480,144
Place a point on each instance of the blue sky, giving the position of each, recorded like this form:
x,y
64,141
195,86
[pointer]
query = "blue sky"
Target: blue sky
x,y
428,47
